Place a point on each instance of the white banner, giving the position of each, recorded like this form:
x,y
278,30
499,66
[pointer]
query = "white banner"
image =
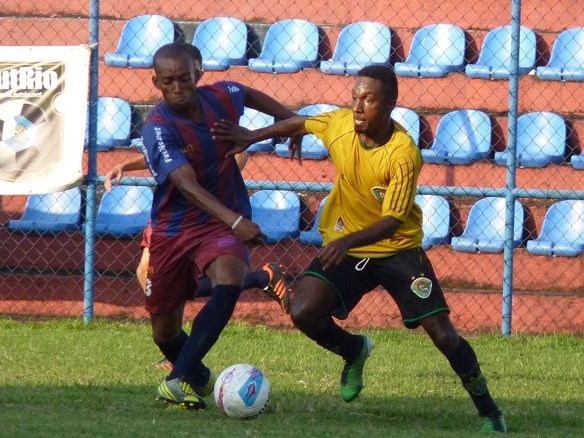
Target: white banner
x,y
43,112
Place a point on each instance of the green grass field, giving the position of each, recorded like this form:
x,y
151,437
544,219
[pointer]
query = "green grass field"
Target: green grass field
x,y
61,379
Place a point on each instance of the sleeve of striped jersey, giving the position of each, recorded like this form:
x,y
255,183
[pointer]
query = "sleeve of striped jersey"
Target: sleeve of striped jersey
x,y
237,95
161,150
401,190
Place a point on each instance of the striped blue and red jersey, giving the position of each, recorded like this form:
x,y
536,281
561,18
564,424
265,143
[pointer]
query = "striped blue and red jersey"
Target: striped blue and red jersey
x,y
171,141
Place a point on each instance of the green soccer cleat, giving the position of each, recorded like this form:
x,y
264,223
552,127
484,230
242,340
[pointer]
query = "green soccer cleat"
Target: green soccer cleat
x,y
495,424
277,288
352,376
178,392
207,388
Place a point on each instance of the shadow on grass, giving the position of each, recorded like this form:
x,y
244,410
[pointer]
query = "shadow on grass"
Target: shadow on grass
x,y
125,410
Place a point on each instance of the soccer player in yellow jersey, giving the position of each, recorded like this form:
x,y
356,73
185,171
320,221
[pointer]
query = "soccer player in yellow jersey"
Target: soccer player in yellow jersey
x,y
372,235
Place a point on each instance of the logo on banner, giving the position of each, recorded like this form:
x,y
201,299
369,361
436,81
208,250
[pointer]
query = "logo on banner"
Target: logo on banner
x,y
43,117
30,125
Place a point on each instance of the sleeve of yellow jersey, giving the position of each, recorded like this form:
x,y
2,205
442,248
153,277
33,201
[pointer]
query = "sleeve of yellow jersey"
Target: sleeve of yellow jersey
x,y
319,126
401,190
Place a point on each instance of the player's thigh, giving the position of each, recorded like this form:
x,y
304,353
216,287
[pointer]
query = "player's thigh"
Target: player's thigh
x,y
409,277
221,256
312,296
346,284
227,269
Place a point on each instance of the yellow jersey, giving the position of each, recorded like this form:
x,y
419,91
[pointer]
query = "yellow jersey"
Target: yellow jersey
x,y
371,183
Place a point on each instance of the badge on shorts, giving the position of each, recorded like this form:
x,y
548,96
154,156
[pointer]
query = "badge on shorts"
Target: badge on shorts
x,y
226,242
148,290
422,287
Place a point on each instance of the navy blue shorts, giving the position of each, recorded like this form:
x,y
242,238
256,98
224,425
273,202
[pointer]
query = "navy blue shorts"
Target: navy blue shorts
x,y
407,276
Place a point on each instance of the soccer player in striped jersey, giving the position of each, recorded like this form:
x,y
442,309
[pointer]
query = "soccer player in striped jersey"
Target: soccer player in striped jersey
x,y
200,216
270,278
372,234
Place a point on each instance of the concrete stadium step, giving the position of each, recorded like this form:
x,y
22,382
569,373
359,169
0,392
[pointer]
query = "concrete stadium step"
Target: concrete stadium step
x,y
456,91
65,252
545,16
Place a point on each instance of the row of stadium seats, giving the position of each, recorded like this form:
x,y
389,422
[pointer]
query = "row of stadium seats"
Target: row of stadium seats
x,y
462,136
124,212
293,44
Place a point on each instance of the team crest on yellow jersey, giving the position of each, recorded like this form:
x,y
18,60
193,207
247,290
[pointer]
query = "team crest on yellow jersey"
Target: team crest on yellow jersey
x,y
339,225
378,192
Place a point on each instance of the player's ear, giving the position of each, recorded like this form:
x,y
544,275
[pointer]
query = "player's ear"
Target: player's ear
x,y
198,73
155,81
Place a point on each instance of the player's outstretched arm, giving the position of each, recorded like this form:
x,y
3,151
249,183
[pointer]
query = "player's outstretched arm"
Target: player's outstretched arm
x,y
262,102
242,138
117,172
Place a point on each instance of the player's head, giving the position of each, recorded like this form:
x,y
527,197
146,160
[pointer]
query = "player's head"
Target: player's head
x,y
374,96
176,74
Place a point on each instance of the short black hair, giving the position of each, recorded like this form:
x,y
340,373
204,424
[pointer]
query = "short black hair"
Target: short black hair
x,y
384,74
177,49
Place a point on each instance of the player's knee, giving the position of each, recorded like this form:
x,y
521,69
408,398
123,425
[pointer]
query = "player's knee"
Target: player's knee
x,y
299,314
446,340
161,337
304,314
311,304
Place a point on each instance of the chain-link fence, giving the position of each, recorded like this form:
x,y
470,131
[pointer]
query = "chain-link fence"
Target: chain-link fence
x,y
504,230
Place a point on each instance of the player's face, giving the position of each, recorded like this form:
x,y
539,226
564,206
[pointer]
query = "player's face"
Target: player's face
x,y
176,79
371,109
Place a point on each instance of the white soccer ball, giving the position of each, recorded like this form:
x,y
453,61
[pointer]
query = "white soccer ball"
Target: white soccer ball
x,y
242,391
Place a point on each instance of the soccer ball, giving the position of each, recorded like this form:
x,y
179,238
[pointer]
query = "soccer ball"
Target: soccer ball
x,y
242,391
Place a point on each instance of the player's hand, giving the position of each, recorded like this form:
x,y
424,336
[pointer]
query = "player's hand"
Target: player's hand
x,y
248,232
116,173
295,147
229,132
333,253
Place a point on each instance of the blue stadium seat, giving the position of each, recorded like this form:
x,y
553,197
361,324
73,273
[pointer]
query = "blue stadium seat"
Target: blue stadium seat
x,y
495,58
409,119
541,140
437,49
123,212
140,38
577,161
462,136
313,236
562,232
114,123
359,44
485,227
567,58
312,148
253,119
289,46
222,42
277,213
436,225
50,213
